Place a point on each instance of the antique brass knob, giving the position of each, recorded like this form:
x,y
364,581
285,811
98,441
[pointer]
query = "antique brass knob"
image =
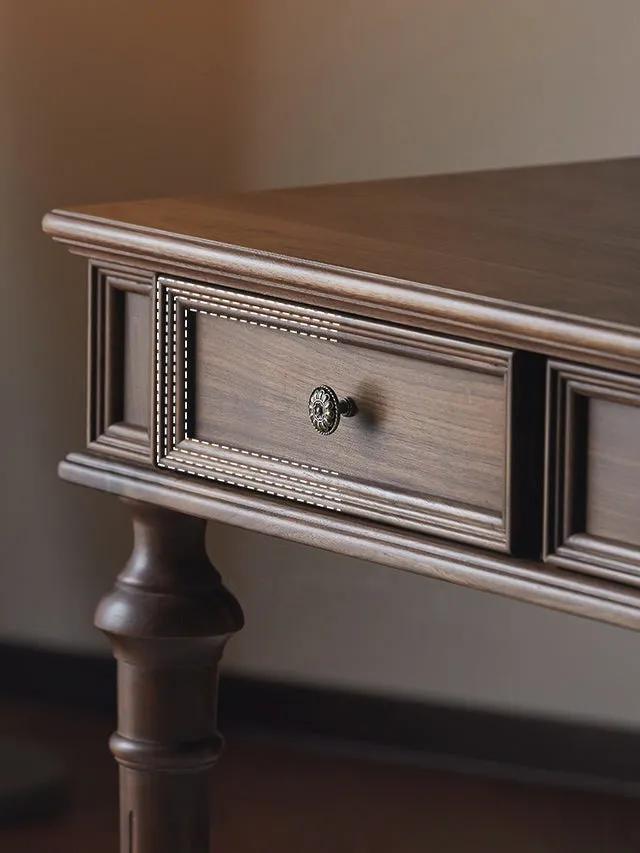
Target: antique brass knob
x,y
325,409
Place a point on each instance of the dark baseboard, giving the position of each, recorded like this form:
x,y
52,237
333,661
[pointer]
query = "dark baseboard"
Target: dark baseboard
x,y
499,744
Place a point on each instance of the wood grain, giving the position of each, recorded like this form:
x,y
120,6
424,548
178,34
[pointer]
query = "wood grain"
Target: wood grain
x,y
427,448
520,264
447,438
120,362
421,426
168,619
613,465
137,350
546,254
593,472
528,580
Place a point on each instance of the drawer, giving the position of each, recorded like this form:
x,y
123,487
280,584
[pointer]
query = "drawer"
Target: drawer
x,y
445,439
592,515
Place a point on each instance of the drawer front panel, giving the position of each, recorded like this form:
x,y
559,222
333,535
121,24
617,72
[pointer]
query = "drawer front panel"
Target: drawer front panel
x,y
458,411
593,478
613,469
428,449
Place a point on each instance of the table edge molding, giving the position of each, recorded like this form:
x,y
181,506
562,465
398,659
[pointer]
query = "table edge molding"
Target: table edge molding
x,y
397,300
538,583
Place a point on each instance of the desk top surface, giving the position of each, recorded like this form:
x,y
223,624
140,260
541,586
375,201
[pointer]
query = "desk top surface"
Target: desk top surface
x,y
562,239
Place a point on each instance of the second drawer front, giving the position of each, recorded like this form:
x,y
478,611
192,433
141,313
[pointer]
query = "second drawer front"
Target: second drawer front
x,y
429,448
593,471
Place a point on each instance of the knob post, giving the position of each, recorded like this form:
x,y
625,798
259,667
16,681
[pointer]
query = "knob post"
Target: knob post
x,y
325,409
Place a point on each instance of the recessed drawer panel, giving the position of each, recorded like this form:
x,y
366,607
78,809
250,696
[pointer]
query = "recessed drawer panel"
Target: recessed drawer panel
x,y
593,478
120,370
430,444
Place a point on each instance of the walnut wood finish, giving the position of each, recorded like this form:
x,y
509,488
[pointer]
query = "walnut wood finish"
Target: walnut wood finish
x,y
533,261
435,303
528,580
120,369
541,258
430,446
168,619
593,489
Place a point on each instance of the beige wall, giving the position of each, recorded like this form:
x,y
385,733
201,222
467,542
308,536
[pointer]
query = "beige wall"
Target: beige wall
x,y
121,99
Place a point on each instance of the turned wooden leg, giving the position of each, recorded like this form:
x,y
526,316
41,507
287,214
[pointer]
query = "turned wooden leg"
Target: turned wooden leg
x,y
168,619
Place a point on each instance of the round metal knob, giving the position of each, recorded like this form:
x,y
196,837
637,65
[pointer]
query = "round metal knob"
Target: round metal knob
x,y
325,409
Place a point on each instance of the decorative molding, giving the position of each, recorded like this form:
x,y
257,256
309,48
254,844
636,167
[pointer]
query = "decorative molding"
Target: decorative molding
x,y
107,430
527,580
567,542
177,448
421,304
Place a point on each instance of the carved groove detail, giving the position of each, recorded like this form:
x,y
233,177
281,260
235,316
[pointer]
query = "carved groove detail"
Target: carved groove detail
x,y
570,388
139,754
177,448
107,431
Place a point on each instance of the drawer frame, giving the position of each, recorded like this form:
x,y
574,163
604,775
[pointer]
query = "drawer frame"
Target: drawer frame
x,y
176,448
566,541
109,375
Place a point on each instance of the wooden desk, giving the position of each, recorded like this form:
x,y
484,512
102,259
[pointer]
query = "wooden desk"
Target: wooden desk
x,y
440,374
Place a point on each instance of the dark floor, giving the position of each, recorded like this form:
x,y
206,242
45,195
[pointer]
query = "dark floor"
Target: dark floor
x,y
284,798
